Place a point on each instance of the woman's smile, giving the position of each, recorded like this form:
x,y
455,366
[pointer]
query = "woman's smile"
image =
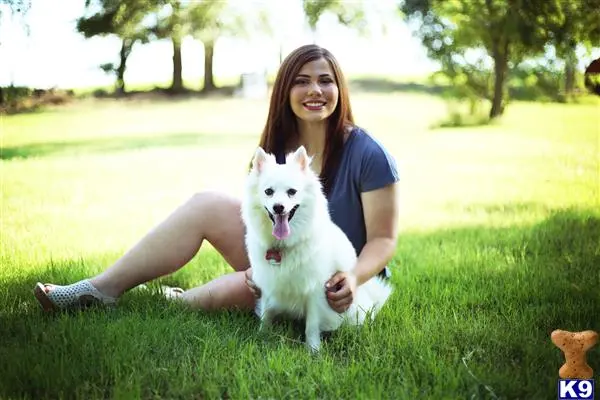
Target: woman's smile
x,y
314,105
314,94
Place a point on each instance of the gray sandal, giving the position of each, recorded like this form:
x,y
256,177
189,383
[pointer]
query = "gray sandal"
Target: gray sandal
x,y
78,295
171,293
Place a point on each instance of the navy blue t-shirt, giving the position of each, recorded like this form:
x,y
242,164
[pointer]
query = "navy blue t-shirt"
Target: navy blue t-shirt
x,y
365,165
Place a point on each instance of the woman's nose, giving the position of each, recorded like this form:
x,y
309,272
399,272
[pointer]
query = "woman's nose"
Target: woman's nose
x,y
314,88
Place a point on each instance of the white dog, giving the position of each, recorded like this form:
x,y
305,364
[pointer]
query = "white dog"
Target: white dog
x,y
294,248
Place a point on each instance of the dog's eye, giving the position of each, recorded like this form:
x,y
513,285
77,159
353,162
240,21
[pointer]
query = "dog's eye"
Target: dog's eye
x,y
269,192
291,192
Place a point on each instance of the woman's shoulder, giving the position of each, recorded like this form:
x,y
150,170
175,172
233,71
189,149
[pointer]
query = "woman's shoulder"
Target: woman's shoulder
x,y
376,165
363,143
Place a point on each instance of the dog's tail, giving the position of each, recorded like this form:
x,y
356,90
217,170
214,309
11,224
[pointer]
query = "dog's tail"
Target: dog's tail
x,y
370,298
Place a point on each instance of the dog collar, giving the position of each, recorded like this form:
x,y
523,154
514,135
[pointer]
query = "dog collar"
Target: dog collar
x,y
273,256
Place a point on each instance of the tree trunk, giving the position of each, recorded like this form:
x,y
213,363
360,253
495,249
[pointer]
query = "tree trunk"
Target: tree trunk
x,y
209,82
177,84
569,78
126,46
570,65
500,55
176,36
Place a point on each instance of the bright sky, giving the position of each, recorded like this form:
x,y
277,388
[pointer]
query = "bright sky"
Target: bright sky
x,y
54,54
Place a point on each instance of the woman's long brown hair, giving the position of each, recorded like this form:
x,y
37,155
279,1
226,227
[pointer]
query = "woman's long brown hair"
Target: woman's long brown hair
x,y
281,123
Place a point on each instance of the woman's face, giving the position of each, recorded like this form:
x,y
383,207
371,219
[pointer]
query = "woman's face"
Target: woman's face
x,y
314,93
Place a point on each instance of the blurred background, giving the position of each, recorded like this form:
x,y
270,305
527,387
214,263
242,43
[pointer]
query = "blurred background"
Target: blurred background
x,y
248,37
473,50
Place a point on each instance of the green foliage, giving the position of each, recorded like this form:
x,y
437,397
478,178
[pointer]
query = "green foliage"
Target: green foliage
x,y
478,42
97,24
207,19
580,24
541,81
348,13
170,21
15,93
592,83
18,99
210,20
119,17
123,18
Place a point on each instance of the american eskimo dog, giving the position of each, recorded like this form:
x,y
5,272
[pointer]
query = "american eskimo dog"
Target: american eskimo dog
x,y
294,248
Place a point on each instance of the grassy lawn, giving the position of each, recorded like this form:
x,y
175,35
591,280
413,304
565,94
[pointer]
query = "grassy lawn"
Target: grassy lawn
x,y
500,245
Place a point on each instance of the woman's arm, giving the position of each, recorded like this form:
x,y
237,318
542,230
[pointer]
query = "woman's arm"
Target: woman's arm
x,y
380,209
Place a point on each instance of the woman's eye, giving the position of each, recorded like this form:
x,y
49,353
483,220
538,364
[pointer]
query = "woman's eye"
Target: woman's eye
x,y
300,82
269,192
291,192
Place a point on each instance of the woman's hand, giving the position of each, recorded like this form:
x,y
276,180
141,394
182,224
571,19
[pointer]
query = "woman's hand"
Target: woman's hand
x,y
251,285
340,290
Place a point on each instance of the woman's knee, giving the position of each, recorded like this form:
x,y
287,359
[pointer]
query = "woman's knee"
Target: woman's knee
x,y
204,200
213,204
218,210
219,216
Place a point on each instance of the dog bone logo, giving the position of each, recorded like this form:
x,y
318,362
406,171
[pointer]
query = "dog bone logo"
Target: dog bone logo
x,y
574,345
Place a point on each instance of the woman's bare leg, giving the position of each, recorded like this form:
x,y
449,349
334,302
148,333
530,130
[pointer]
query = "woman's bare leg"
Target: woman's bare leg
x,y
225,292
168,247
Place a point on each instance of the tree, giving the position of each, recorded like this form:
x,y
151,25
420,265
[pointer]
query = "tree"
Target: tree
x,y
177,33
173,25
211,20
206,19
463,35
122,18
349,13
579,25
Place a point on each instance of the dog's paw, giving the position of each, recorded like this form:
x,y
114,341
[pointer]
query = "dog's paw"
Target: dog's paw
x,y
313,344
313,349
266,318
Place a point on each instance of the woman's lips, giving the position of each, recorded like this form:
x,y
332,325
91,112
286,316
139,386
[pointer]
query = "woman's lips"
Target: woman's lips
x,y
314,105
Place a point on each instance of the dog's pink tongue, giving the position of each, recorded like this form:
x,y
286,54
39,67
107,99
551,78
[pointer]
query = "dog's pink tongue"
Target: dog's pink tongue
x,y
281,229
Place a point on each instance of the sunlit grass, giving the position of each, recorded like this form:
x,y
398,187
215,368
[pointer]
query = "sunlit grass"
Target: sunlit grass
x,y
500,244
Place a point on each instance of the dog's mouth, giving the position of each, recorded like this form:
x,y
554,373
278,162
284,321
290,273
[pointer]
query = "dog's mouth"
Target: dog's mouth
x,y
281,222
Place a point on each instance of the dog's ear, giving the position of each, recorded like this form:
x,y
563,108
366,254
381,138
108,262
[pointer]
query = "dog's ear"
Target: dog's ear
x,y
302,158
259,160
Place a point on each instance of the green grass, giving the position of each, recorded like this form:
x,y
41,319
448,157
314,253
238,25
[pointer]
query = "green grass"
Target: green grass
x,y
499,245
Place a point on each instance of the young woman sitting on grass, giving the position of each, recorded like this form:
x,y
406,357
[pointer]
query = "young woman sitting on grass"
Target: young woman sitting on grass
x,y
309,106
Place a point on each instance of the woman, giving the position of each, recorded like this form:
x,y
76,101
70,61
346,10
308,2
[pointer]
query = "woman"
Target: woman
x,y
309,106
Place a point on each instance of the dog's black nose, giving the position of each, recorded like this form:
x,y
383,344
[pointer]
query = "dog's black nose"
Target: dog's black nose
x,y
278,208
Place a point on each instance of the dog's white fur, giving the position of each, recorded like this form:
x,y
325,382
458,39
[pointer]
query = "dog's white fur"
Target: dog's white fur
x,y
313,252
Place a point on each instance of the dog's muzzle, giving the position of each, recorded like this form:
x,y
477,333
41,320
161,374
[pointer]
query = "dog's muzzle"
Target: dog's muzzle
x,y
290,214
